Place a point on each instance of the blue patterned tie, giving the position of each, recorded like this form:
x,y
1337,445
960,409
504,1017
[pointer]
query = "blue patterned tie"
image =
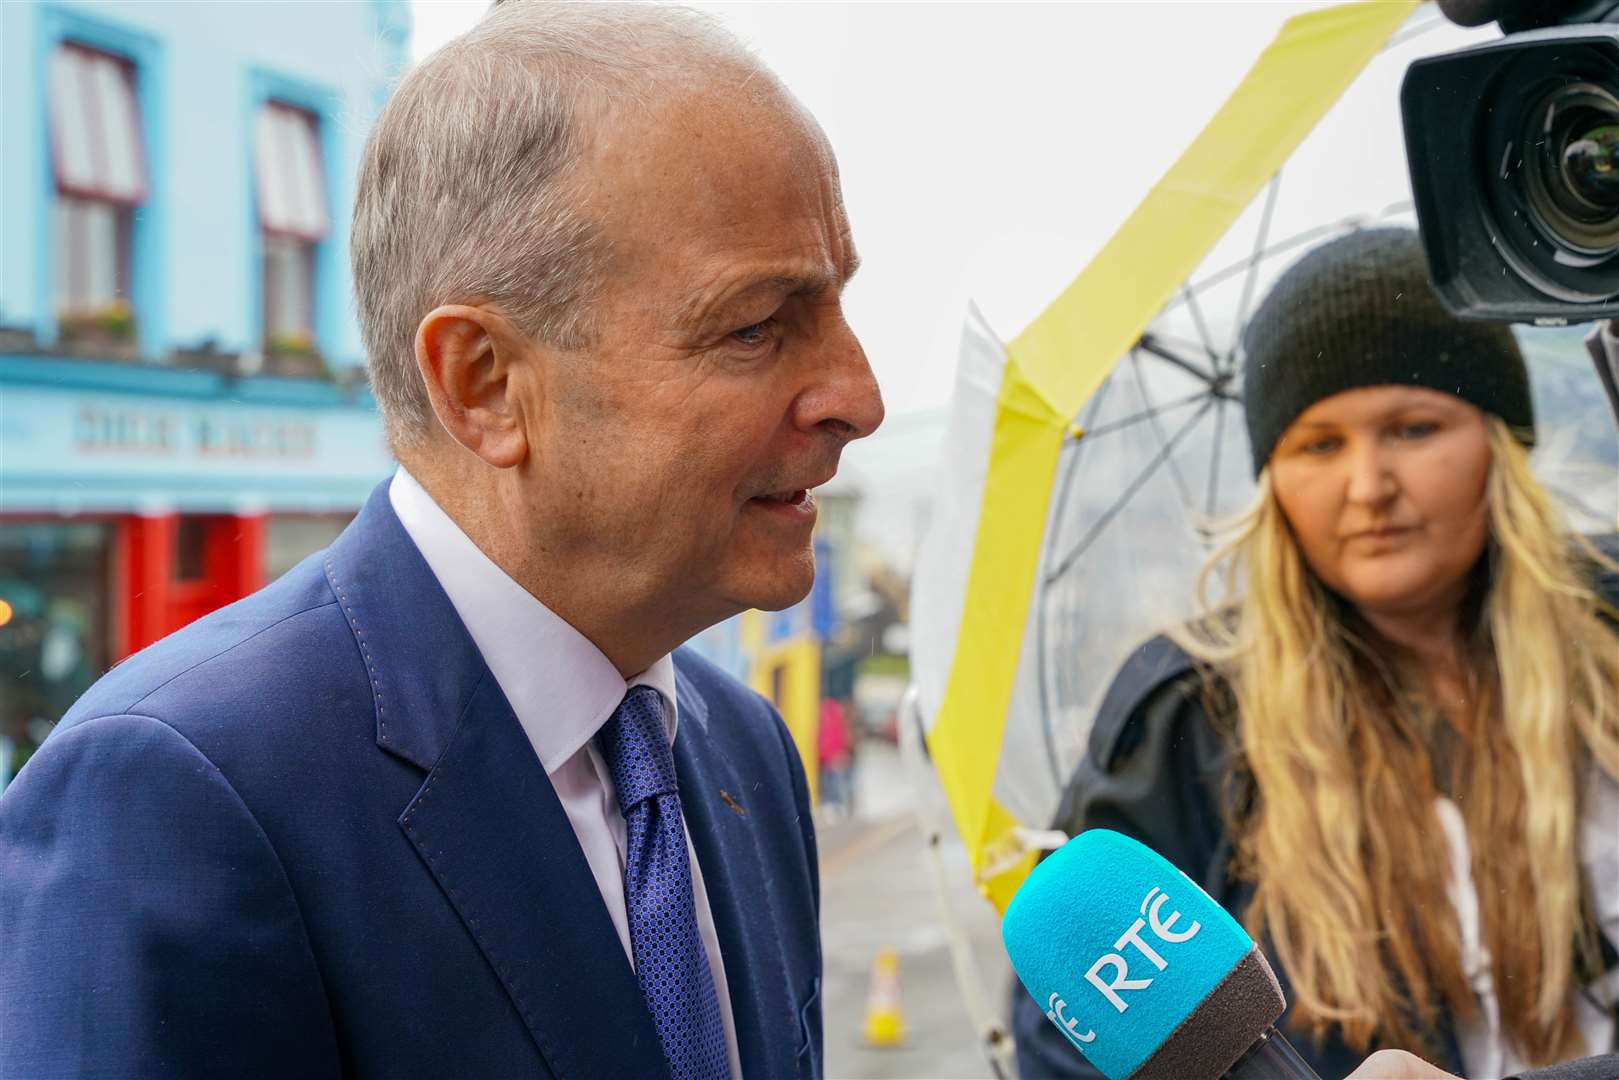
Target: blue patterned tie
x,y
670,961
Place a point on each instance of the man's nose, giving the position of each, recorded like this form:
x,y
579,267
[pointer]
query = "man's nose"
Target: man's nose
x,y
844,399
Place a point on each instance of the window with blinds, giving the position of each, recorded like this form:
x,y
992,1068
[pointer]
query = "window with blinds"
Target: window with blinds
x,y
95,131
290,181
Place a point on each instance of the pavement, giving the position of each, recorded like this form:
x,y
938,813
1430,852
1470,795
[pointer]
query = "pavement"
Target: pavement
x,y
877,890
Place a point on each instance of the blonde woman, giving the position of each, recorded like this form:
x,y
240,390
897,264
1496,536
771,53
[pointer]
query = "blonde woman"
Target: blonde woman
x,y
1391,749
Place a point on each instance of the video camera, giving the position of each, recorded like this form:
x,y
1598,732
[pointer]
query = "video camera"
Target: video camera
x,y
1513,147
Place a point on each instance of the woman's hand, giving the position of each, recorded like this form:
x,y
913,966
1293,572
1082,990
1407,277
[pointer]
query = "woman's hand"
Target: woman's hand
x,y
1397,1065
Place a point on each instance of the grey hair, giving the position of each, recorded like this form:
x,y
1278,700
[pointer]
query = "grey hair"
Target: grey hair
x,y
467,188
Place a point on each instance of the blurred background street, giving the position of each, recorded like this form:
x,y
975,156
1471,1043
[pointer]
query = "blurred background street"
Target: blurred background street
x,y
877,892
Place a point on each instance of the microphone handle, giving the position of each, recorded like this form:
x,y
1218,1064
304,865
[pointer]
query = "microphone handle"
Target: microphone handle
x,y
1271,1058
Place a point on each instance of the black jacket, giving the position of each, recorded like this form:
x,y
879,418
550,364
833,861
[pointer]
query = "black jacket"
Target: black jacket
x,y
1158,769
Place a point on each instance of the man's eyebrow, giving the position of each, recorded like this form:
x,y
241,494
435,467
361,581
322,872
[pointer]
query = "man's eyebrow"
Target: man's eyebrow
x,y
784,284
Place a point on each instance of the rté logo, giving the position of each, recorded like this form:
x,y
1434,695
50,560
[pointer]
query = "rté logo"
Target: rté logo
x,y
1054,1012
1165,931
1152,916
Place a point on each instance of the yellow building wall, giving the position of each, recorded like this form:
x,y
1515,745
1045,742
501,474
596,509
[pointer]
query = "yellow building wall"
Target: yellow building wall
x,y
789,674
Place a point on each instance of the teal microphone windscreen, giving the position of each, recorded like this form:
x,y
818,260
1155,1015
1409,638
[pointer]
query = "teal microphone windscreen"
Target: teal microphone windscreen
x,y
1143,972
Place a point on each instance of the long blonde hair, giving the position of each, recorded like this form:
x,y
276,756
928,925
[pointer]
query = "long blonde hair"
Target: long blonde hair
x,y
1340,834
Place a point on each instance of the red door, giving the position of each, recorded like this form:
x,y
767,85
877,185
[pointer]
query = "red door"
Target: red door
x,y
177,568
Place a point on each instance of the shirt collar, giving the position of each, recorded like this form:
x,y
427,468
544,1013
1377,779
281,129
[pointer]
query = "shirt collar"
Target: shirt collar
x,y
560,685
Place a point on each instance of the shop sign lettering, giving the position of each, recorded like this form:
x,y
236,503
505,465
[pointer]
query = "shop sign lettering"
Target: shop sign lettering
x,y
116,430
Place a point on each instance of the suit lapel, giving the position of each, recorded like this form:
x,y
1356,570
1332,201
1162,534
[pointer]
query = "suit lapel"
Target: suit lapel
x,y
765,1015
487,822
490,828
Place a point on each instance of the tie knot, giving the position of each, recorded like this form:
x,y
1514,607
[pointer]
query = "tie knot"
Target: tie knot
x,y
635,746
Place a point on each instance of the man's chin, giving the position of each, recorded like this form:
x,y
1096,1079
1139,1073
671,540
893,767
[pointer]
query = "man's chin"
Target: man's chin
x,y
782,598
779,586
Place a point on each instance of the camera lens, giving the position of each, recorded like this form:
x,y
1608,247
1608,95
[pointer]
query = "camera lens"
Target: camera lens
x,y
1513,147
1573,177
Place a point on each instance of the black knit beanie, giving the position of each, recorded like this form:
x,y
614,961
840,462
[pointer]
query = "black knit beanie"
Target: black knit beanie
x,y
1358,311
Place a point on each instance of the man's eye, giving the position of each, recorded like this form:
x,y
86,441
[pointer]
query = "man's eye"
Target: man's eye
x,y
1320,447
759,333
1419,430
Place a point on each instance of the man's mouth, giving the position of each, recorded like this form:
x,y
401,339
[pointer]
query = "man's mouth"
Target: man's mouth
x,y
796,497
794,506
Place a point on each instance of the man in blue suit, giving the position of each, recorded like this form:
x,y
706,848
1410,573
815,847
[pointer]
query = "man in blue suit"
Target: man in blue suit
x,y
449,799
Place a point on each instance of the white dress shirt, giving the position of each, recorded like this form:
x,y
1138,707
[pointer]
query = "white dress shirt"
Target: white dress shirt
x,y
563,689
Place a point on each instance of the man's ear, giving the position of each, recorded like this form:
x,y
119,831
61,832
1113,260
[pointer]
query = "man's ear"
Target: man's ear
x,y
469,358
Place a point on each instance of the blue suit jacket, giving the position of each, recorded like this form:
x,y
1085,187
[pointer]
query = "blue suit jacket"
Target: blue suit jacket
x,y
306,837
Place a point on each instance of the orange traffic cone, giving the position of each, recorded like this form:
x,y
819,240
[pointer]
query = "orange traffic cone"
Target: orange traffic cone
x,y
885,1019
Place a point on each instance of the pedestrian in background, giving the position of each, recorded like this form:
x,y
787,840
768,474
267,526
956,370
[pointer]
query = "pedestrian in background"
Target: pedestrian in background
x,y
1391,749
836,752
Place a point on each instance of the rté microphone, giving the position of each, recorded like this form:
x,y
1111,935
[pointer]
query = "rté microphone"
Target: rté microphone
x,y
1142,971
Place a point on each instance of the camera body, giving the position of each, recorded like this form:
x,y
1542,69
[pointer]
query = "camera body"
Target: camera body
x,y
1514,157
1513,149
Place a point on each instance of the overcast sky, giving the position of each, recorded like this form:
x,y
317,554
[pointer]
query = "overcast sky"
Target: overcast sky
x,y
989,150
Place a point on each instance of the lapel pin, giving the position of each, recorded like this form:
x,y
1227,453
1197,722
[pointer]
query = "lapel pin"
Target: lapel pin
x,y
725,796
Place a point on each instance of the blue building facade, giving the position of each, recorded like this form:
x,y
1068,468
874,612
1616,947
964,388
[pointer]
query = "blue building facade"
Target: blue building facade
x,y
202,74
183,411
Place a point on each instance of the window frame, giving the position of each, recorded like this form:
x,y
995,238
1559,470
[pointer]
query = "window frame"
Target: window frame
x,y
323,104
57,26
